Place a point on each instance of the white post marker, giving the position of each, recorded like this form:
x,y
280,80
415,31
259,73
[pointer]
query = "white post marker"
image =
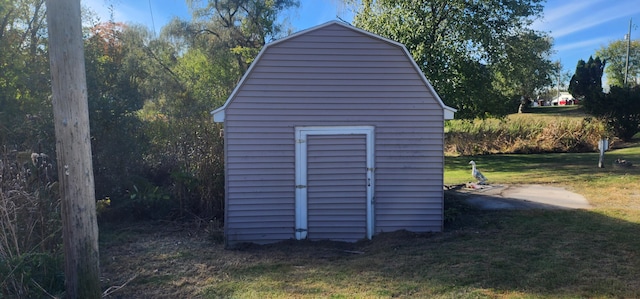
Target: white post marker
x,y
603,145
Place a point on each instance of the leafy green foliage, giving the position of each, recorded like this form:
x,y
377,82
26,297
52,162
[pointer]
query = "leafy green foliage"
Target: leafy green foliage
x,y
619,109
524,67
210,78
113,79
615,54
240,26
25,108
194,67
478,55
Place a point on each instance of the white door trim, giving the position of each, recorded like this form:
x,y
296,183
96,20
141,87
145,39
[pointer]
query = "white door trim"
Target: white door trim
x,y
301,171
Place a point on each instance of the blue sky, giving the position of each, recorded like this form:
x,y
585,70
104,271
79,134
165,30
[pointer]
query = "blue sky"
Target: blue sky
x,y
579,27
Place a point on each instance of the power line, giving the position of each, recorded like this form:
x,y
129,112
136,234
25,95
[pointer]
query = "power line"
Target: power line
x,y
153,24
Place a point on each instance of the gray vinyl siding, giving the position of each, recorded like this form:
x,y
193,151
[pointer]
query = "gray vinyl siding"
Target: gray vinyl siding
x,y
336,187
332,76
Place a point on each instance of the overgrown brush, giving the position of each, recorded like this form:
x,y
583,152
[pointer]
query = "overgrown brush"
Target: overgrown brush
x,y
183,177
31,257
523,133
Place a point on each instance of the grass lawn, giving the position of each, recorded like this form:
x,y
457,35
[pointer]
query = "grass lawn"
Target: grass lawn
x,y
607,188
566,111
481,254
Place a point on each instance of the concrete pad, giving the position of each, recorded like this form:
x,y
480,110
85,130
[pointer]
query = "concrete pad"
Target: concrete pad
x,y
522,197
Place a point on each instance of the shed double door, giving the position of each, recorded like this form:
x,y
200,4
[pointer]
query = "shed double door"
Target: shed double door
x,y
334,183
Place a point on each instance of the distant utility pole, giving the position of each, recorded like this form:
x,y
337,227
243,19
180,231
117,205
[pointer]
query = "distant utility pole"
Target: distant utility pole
x,y
73,149
626,69
559,76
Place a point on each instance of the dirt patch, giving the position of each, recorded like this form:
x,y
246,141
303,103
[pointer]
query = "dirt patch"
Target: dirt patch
x,y
145,256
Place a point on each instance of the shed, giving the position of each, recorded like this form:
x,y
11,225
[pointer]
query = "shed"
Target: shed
x,y
332,133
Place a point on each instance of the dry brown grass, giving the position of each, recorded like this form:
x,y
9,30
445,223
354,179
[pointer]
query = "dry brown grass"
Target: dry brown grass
x,y
524,133
30,255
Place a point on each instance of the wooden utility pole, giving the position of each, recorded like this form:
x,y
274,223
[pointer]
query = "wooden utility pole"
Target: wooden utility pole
x,y
73,149
626,67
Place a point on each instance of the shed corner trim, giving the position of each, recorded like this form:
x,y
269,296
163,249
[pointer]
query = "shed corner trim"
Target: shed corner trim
x,y
218,115
449,113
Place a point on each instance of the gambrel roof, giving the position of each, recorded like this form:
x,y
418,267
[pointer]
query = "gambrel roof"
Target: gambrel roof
x,y
219,113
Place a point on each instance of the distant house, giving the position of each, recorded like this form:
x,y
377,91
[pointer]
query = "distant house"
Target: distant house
x,y
332,133
564,98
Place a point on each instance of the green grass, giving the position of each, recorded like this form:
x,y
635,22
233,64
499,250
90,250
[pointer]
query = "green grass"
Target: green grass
x,y
514,254
565,111
481,254
611,186
532,254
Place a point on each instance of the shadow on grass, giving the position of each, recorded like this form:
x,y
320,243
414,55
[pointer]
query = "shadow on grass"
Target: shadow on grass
x,y
481,254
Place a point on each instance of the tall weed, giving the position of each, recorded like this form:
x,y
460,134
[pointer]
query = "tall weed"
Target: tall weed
x,y
522,133
187,158
31,257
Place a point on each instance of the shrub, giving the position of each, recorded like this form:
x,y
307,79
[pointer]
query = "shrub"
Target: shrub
x,y
31,257
180,176
620,109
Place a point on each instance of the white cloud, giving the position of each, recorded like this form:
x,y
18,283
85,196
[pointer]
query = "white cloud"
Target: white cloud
x,y
601,17
561,14
577,16
591,44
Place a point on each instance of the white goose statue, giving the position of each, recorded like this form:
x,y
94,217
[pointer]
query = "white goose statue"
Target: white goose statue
x,y
477,174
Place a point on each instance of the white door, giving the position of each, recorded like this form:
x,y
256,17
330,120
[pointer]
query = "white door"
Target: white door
x,y
334,183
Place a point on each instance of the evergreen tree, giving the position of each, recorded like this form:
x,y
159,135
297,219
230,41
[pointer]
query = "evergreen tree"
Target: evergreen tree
x,y
586,82
619,109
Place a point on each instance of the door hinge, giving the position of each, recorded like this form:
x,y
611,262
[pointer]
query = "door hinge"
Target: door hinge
x,y
300,141
301,230
301,186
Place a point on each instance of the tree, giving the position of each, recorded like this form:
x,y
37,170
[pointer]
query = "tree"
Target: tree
x,y
524,67
241,26
25,108
615,54
73,148
190,69
450,39
619,109
227,35
115,71
586,82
